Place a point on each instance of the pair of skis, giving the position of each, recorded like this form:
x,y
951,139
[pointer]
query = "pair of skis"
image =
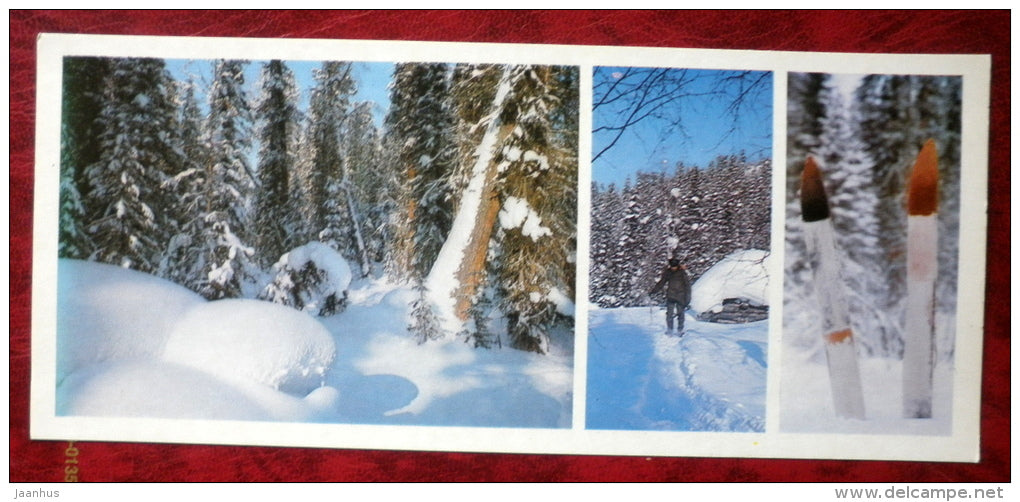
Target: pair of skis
x,y
922,265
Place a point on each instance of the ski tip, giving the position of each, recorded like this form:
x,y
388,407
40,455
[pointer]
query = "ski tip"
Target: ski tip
x,y
923,195
813,203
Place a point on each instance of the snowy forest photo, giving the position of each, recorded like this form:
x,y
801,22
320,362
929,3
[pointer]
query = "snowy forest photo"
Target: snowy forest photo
x,y
866,133
333,242
682,170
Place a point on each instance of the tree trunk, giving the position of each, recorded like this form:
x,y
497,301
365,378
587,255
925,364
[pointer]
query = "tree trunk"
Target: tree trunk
x,y
453,280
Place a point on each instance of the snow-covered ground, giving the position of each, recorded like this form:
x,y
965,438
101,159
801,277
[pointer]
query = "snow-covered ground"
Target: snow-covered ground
x,y
640,378
806,399
710,379
132,345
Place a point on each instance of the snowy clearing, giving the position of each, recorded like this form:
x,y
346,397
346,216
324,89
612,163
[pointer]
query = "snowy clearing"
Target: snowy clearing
x,y
132,345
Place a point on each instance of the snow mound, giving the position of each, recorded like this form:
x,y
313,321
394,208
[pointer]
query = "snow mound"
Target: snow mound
x,y
250,340
313,278
742,274
324,258
159,389
108,313
153,389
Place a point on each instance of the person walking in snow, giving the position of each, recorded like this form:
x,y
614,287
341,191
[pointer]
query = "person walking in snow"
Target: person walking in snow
x,y
678,293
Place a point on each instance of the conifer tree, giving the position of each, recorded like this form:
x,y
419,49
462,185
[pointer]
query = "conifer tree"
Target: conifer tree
x,y
184,262
138,151
606,265
420,126
278,122
362,182
536,177
72,240
454,279
226,242
328,109
83,87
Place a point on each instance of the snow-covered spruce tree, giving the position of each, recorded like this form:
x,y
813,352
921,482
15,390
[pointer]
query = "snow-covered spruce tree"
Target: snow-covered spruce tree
x,y
138,150
81,104
364,183
536,176
514,219
226,240
643,241
423,323
606,264
301,191
420,128
329,106
888,117
460,266
183,261
278,121
688,194
73,242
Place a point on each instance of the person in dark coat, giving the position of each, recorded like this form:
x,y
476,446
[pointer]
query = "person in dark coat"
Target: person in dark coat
x,y
678,293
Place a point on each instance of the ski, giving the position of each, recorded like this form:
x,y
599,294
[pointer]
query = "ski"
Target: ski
x,y
840,350
922,269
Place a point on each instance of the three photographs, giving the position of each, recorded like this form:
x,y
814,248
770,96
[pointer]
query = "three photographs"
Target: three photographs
x,y
523,252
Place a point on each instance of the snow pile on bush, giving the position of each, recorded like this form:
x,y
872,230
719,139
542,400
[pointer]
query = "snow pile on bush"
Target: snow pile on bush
x,y
251,340
107,313
313,278
130,344
742,274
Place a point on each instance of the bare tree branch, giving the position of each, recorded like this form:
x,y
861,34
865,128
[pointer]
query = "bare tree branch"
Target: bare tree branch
x,y
630,96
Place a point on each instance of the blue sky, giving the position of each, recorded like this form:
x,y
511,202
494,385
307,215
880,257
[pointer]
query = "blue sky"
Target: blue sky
x,y
372,78
709,130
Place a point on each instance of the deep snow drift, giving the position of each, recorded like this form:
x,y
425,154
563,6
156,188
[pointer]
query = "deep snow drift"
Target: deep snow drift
x,y
131,345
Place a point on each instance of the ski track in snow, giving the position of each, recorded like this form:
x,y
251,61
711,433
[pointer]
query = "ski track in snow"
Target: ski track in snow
x,y
640,378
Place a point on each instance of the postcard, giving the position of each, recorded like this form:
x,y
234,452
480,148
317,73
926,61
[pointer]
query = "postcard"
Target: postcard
x,y
509,248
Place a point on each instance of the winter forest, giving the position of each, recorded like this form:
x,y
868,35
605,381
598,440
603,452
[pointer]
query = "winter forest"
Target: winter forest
x,y
708,196
699,214
865,133
695,149
461,195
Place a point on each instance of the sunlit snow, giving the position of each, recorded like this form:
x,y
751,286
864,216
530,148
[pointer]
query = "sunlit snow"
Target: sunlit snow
x,y
132,345
640,378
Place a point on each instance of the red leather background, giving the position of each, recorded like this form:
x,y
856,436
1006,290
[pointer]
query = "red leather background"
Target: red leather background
x,y
980,32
